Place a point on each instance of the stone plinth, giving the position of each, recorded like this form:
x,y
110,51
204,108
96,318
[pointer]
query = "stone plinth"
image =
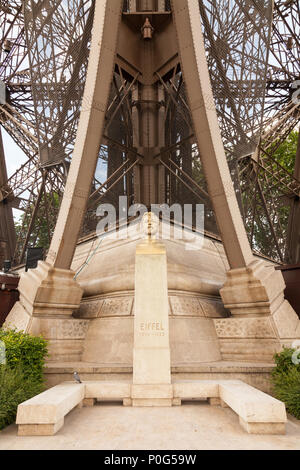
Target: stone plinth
x,y
151,350
262,320
49,291
48,298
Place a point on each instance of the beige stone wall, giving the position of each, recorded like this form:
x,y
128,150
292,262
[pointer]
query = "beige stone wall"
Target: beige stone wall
x,y
257,375
109,337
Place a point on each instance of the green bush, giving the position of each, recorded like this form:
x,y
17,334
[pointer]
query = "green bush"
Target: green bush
x,y
286,381
15,387
25,351
21,377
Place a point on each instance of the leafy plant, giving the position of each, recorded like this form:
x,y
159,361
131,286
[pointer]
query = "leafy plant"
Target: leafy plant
x,y
15,387
286,381
39,233
26,351
286,152
21,377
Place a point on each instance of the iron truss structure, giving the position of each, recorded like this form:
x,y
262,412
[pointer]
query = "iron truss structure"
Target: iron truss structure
x,y
253,57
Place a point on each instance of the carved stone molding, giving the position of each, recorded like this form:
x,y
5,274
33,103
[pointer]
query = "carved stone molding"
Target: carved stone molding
x,y
245,328
186,306
90,309
213,308
119,306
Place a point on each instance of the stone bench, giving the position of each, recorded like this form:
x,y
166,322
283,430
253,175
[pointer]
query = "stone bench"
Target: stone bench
x,y
258,412
107,391
43,415
199,389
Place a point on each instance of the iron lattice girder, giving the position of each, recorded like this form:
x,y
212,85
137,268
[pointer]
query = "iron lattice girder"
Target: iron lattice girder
x,y
58,36
262,203
47,19
280,126
284,64
12,43
286,30
244,96
236,38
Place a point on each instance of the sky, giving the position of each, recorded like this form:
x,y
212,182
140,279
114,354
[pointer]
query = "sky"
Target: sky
x,y
14,156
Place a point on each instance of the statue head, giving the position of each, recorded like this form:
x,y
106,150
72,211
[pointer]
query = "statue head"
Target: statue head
x,y
149,225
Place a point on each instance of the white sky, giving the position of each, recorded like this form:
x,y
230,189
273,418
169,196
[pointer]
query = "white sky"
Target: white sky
x,y
14,156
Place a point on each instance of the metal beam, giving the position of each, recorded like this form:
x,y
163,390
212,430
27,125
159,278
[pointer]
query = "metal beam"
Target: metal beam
x,y
220,187
7,227
89,133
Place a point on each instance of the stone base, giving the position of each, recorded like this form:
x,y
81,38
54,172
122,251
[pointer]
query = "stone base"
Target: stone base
x,y
256,289
236,349
127,402
48,297
197,389
176,402
263,428
65,336
152,395
223,404
40,429
214,401
144,402
89,402
217,402
151,345
262,321
49,291
108,390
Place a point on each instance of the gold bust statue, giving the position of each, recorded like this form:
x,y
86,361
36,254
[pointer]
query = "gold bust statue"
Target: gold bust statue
x,y
149,225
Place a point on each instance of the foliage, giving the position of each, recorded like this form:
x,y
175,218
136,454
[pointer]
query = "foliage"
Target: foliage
x,y
26,351
39,236
286,152
15,387
275,198
21,377
283,360
286,381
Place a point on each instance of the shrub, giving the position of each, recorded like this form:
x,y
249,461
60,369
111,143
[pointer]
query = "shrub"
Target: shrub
x,y
26,351
21,377
15,387
286,381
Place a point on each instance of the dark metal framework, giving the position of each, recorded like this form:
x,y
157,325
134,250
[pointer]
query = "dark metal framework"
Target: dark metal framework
x,y
253,58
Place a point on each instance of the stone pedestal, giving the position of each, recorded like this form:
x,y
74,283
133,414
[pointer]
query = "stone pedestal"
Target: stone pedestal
x,y
151,352
49,291
262,320
255,289
48,298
